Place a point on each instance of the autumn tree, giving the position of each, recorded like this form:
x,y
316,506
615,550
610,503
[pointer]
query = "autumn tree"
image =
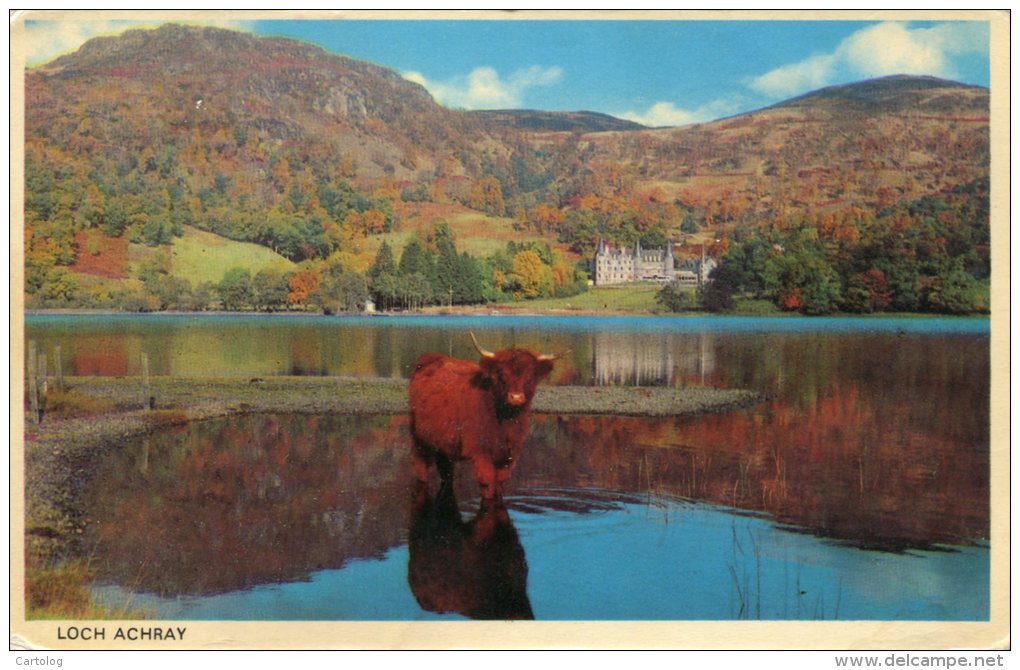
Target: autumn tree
x,y
59,288
303,284
530,275
486,195
867,292
374,221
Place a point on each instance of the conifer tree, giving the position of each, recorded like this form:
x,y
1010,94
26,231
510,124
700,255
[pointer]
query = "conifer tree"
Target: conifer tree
x,y
384,262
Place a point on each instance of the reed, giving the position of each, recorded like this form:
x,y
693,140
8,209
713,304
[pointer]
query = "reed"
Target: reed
x,y
62,591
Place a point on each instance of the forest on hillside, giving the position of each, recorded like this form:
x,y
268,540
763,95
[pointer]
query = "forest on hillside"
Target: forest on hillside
x,y
930,255
345,176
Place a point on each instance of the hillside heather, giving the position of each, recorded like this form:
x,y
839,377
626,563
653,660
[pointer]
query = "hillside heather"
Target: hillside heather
x,y
864,197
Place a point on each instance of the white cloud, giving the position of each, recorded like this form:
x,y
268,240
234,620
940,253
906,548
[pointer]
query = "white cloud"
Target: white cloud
x,y
662,114
876,51
45,40
811,73
891,48
667,114
483,88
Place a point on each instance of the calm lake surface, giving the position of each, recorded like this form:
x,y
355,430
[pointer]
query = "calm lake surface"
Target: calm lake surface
x,y
859,491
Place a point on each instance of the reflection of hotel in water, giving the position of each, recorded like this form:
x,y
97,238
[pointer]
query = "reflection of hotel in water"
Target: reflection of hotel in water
x,y
655,359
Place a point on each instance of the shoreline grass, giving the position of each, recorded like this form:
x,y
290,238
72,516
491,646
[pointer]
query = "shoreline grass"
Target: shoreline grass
x,y
62,590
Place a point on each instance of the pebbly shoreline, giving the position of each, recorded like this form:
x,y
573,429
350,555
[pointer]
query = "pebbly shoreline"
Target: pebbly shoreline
x,y
99,413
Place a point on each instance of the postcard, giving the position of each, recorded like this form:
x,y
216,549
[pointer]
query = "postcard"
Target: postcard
x,y
510,330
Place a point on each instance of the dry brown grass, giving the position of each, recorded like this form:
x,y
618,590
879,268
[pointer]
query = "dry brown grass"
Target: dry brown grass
x,y
69,404
62,592
164,417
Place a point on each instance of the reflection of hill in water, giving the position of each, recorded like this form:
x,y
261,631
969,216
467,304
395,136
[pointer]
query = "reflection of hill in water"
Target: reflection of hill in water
x,y
227,504
785,355
614,357
848,468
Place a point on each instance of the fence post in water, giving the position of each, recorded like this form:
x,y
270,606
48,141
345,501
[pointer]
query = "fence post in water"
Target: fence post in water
x,y
58,369
33,386
149,399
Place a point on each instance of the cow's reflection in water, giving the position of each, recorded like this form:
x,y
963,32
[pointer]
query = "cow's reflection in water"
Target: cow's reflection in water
x,y
476,568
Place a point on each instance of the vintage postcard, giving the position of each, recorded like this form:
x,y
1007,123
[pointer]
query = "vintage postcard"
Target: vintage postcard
x,y
504,330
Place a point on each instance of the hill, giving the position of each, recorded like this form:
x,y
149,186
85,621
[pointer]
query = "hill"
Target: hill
x,y
318,158
896,94
185,79
533,120
870,144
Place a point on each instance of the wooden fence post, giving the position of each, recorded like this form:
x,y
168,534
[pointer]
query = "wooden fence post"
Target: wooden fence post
x,y
58,369
33,386
148,399
42,385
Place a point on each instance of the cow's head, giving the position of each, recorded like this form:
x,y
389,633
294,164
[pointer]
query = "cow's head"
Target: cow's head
x,y
514,374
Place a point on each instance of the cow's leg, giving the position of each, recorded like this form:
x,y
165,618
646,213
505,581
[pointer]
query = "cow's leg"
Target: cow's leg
x,y
485,473
444,464
423,457
419,496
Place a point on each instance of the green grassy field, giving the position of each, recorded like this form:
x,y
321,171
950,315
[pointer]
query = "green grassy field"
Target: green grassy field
x,y
483,235
478,234
199,256
604,298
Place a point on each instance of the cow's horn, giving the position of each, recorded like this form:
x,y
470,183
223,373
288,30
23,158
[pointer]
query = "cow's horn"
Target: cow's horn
x,y
553,357
481,352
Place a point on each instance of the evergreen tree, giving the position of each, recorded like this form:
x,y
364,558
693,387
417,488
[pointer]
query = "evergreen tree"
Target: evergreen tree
x,y
386,291
416,291
469,289
417,259
448,265
384,262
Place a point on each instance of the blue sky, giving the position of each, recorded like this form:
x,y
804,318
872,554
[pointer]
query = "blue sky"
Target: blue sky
x,y
654,72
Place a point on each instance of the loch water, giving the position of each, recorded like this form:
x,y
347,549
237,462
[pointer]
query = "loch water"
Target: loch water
x,y
859,490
